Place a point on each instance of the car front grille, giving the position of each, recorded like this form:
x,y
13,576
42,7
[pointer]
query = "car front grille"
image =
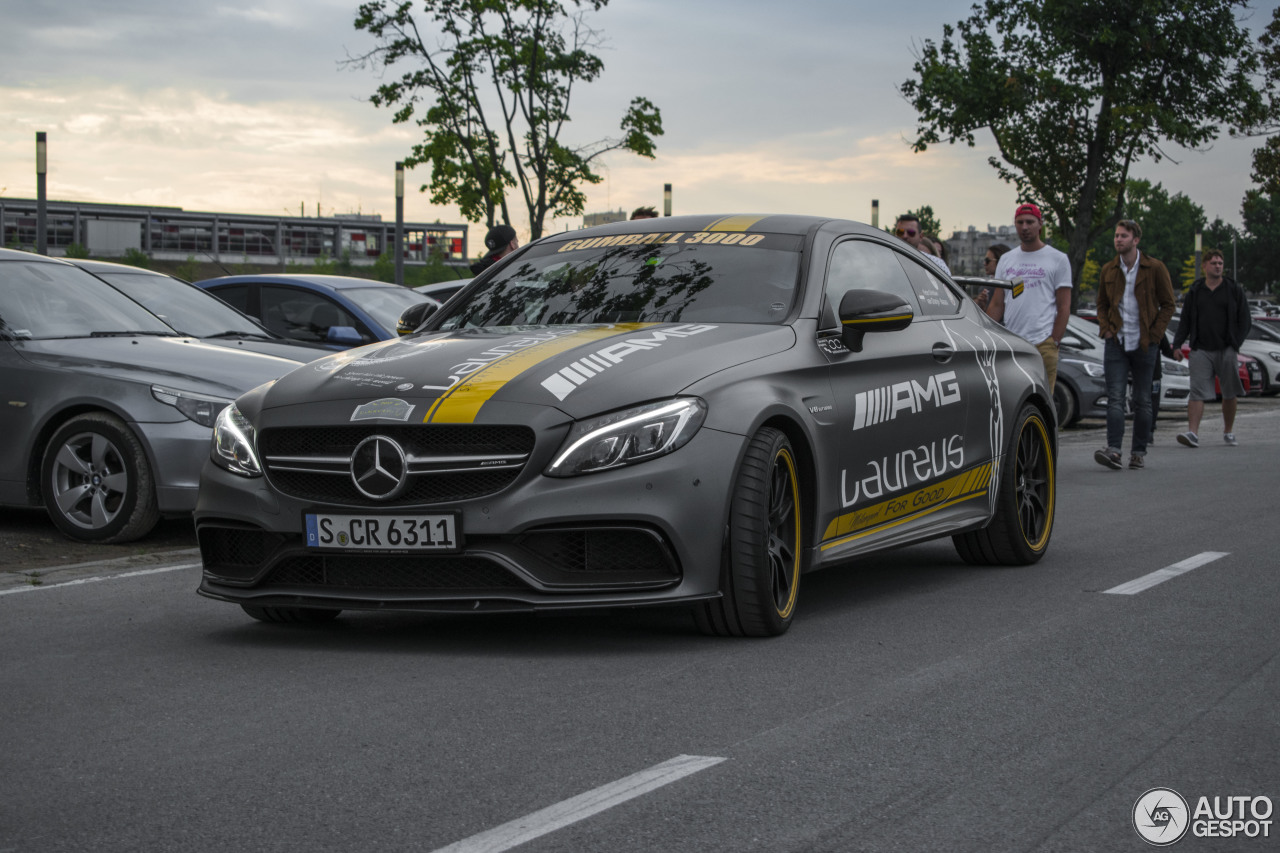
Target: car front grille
x,y
447,462
604,551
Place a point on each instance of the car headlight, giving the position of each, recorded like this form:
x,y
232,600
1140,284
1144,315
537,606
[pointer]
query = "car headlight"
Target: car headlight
x,y
1090,367
1175,368
628,437
233,441
200,408
1275,356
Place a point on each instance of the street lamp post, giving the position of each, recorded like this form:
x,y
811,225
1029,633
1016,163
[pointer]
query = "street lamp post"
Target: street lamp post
x,y
399,248
42,205
1235,271
666,199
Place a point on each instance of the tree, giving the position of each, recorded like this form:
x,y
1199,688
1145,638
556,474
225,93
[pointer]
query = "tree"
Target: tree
x,y
1076,91
1169,224
1260,260
491,91
929,222
1266,160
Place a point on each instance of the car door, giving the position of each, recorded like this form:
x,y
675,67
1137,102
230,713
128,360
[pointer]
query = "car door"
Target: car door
x,y
899,409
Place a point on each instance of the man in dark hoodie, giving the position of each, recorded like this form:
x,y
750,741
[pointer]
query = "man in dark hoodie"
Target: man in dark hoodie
x,y
1215,319
500,241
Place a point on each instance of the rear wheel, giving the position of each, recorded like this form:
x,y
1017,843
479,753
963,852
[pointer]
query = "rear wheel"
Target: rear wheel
x,y
1019,531
290,615
763,553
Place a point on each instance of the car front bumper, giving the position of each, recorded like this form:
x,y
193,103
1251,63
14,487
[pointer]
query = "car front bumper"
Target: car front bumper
x,y
646,534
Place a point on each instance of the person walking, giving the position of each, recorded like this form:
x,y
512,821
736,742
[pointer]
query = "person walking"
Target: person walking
x,y
1040,314
1135,302
1215,320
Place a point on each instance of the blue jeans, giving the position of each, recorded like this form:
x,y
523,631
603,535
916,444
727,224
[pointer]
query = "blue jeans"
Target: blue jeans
x,y
1119,366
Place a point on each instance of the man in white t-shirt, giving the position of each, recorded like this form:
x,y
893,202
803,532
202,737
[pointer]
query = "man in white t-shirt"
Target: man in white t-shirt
x,y
1040,314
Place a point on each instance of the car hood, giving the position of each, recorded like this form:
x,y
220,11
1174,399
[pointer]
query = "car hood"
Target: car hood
x,y
448,377
182,363
293,352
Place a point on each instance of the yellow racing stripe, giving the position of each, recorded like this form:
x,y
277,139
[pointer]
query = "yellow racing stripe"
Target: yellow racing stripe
x,y
905,507
733,223
461,403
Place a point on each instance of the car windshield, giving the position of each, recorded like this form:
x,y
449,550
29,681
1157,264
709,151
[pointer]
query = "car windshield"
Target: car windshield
x,y
384,304
40,301
728,277
188,309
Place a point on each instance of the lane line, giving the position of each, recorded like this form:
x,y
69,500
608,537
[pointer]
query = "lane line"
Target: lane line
x,y
577,808
1159,576
182,552
96,578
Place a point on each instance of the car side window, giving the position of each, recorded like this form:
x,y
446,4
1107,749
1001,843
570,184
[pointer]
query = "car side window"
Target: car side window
x,y
860,265
934,295
300,314
235,295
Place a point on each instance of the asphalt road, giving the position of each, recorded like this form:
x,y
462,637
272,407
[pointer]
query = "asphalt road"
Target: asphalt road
x,y
917,703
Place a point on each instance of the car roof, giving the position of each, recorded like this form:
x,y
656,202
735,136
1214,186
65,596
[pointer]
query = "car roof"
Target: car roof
x,y
17,255
108,266
334,282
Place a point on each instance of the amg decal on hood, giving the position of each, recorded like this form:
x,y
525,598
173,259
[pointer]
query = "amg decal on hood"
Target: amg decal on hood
x,y
564,381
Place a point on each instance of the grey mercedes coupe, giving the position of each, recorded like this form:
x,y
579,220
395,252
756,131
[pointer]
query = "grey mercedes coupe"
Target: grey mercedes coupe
x,y
691,410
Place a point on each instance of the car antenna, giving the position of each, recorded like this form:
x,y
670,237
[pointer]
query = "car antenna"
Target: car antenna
x,y
217,263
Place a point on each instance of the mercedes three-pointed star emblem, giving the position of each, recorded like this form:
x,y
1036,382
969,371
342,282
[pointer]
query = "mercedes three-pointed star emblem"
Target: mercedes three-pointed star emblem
x,y
379,468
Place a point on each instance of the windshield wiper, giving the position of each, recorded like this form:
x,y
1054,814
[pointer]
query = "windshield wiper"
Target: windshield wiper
x,y
232,333
130,333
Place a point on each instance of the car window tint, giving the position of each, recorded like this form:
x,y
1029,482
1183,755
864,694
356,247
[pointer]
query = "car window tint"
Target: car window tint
x,y
935,297
44,300
859,265
300,314
720,277
384,304
235,295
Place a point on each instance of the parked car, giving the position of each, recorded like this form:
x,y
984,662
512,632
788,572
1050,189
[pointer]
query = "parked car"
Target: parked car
x,y
442,291
1081,389
1263,344
109,411
691,410
335,311
196,312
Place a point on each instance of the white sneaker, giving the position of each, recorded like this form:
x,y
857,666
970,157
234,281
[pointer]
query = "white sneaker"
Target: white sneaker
x,y
1229,438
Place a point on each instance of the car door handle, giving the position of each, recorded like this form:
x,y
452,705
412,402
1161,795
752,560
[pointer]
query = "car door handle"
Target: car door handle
x,y
943,352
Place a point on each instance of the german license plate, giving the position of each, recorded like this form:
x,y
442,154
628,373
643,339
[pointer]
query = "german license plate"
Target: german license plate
x,y
383,532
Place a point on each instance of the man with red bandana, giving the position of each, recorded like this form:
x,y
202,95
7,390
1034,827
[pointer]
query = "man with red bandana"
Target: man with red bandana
x,y
1040,314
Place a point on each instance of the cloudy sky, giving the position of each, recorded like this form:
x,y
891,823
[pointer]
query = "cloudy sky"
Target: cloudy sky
x,y
246,107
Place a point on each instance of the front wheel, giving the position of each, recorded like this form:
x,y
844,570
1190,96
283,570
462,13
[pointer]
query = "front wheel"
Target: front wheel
x,y
1018,533
763,551
96,481
1064,401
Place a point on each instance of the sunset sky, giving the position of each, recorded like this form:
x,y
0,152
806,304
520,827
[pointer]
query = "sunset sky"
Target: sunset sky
x,y
245,107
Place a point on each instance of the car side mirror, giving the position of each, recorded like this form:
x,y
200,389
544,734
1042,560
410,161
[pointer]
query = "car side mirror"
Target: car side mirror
x,y
414,316
345,335
863,311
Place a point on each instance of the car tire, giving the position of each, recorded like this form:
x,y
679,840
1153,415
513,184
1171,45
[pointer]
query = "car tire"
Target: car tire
x,y
764,545
1064,401
1019,531
290,615
96,481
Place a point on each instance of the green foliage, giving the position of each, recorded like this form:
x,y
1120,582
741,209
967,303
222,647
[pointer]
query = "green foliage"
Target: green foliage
x,y
384,268
188,270
1169,224
929,222
490,88
136,258
1266,160
1260,254
1075,91
76,250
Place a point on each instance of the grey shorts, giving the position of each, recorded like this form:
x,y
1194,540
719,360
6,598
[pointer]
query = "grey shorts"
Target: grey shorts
x,y
1205,365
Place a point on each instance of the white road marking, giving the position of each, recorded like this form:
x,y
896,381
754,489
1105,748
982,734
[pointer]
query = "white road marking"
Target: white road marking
x,y
97,578
582,806
1161,575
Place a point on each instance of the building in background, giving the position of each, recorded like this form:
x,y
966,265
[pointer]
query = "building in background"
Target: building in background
x,y
968,248
171,233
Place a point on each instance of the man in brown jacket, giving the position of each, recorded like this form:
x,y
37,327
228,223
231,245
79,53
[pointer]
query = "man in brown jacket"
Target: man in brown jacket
x,y
1135,302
